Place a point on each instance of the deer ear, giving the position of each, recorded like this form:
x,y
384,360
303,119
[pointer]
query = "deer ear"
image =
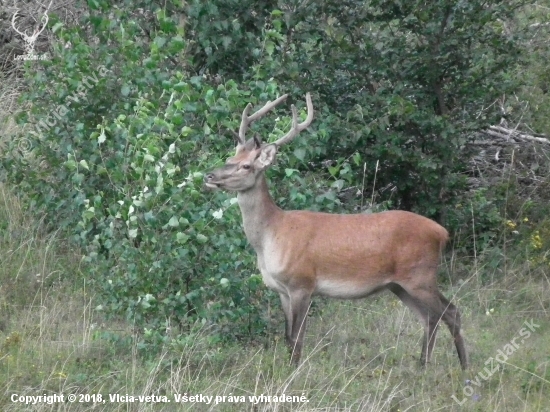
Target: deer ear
x,y
267,156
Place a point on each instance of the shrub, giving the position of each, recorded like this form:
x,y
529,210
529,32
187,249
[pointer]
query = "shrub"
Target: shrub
x,y
116,161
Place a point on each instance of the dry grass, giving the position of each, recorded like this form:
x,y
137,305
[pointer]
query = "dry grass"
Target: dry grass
x,y
10,89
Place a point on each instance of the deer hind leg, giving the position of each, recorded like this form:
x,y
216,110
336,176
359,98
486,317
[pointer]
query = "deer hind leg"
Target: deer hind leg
x,y
451,317
428,308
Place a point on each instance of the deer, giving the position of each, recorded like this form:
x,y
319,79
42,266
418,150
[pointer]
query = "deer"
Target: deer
x,y
302,253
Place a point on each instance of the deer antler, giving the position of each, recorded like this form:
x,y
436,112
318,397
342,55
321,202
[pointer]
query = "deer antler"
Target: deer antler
x,y
247,120
297,127
44,19
25,35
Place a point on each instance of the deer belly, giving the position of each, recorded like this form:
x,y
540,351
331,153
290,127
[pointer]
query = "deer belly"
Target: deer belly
x,y
346,289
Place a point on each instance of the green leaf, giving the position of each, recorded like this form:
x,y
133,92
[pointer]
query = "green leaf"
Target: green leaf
x,y
102,137
125,90
181,86
93,4
174,222
177,44
269,47
89,213
160,41
356,159
182,237
300,153
57,26
185,131
338,184
201,238
209,97
70,164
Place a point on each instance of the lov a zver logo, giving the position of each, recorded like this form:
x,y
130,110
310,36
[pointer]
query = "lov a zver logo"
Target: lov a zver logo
x,y
30,40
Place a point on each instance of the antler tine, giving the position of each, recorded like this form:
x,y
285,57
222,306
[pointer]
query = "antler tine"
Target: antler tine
x,y
44,19
244,124
13,24
246,120
297,128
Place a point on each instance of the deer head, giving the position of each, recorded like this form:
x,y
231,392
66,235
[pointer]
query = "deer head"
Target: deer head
x,y
252,157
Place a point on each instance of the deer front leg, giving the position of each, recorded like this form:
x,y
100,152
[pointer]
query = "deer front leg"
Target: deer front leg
x,y
299,306
285,304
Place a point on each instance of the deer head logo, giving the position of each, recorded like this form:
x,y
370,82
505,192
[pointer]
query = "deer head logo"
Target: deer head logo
x,y
30,40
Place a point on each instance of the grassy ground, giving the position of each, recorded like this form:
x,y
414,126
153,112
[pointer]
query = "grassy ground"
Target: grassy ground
x,y
359,355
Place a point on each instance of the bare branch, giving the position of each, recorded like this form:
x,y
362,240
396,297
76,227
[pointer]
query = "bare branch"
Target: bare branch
x,y
504,133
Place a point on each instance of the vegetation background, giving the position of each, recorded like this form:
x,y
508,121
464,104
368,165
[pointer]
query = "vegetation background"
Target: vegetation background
x,y
119,274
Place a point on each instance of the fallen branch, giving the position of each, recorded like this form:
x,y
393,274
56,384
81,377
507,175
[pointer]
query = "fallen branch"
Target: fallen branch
x,y
514,135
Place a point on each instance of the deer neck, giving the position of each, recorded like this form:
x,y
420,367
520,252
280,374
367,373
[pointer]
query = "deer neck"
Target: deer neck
x,y
259,211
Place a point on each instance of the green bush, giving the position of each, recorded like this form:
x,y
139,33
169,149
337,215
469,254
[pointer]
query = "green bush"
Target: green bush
x,y
117,151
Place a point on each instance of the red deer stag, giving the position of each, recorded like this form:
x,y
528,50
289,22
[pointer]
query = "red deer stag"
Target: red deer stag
x,y
302,253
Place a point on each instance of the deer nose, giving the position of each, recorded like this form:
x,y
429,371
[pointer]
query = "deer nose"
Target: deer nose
x,y
208,177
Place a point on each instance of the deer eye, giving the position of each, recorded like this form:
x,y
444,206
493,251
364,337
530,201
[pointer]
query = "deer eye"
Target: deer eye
x,y
246,167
